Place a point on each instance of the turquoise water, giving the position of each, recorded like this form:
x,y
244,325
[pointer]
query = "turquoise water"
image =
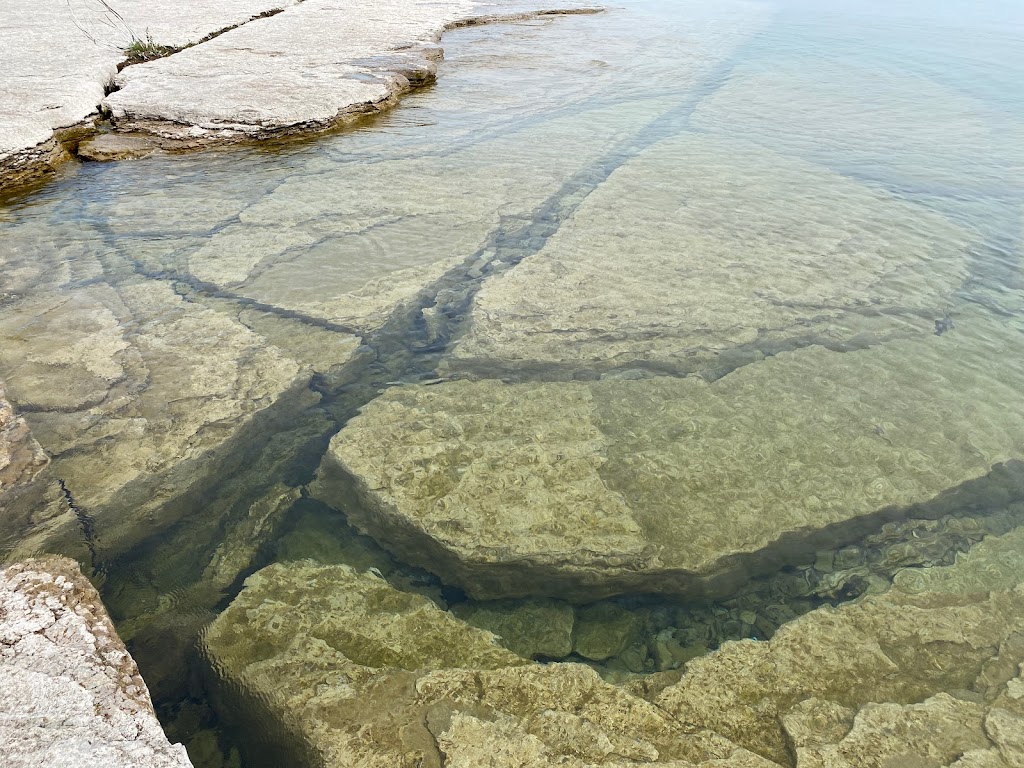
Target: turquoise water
x,y
859,164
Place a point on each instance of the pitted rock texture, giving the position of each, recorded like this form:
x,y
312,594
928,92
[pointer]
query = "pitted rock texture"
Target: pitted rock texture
x,y
677,484
72,695
59,57
21,457
746,253
356,673
928,673
309,67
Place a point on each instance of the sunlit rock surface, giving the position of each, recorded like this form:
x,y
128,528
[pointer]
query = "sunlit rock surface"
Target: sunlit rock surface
x,y
929,670
59,57
357,673
746,253
679,484
310,67
71,694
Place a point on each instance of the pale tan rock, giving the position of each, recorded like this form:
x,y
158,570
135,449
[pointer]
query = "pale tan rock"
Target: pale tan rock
x,y
310,67
357,673
59,57
21,457
936,732
678,484
741,256
893,649
71,693
815,722
335,249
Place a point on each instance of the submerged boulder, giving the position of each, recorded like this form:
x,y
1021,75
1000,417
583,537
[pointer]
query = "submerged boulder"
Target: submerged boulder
x,y
916,672
678,485
348,670
71,694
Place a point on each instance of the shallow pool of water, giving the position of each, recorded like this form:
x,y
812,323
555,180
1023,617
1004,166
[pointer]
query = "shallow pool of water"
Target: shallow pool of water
x,y
753,267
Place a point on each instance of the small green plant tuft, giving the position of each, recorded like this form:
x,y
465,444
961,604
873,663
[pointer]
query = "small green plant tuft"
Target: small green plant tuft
x,y
146,49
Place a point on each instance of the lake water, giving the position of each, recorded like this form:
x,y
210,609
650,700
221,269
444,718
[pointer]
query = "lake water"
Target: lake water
x,y
803,221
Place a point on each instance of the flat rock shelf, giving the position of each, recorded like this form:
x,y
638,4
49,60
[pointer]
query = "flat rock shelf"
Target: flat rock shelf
x,y
674,484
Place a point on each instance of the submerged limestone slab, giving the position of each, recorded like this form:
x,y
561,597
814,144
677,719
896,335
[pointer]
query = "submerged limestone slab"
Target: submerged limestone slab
x,y
351,245
141,398
349,671
677,484
870,681
71,693
700,254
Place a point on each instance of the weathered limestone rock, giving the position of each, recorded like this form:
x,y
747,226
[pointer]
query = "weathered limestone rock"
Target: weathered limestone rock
x,y
882,657
58,58
71,693
603,631
310,67
359,674
740,256
21,457
936,732
679,485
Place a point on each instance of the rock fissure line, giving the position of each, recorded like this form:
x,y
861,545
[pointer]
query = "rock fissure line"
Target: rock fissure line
x,y
85,522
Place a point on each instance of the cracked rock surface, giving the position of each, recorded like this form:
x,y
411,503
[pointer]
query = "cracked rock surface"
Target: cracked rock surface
x,y
58,57
310,67
21,457
656,271
71,693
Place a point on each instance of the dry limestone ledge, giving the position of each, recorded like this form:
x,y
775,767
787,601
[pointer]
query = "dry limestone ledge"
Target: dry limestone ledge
x,y
679,485
350,672
59,57
748,253
311,67
72,695
928,673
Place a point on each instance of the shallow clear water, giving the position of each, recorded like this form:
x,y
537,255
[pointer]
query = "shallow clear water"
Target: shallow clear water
x,y
669,190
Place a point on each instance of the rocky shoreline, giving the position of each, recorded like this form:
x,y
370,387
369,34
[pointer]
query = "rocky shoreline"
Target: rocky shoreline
x,y
237,71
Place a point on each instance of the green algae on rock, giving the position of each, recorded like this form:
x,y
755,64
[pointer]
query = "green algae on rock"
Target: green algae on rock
x,y
356,673
678,485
